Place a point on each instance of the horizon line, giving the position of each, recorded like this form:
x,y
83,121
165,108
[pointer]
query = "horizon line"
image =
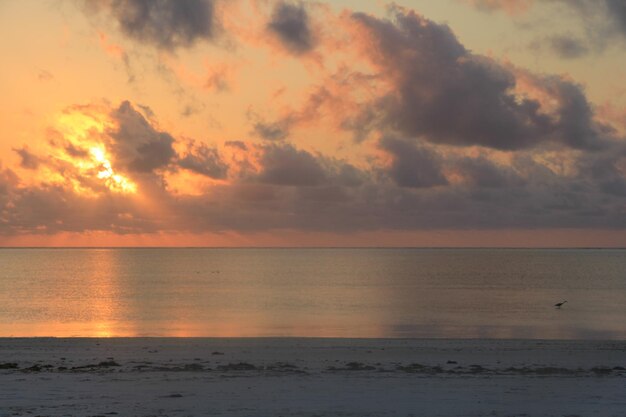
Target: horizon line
x,y
317,247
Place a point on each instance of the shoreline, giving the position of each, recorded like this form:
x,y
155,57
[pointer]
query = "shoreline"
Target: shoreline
x,y
321,338
178,377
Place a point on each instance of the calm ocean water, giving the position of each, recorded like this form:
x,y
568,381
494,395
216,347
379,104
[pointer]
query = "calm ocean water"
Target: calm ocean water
x,y
433,293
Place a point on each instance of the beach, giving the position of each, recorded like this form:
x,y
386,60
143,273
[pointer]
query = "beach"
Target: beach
x,y
329,208
310,377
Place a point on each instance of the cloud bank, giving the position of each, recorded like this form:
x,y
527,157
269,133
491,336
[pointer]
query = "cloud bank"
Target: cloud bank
x,y
444,139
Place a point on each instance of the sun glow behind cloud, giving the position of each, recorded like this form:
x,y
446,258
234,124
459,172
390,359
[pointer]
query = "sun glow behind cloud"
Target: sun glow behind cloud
x,y
83,130
335,116
115,182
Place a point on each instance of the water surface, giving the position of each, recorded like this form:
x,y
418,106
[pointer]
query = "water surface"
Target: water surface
x,y
431,293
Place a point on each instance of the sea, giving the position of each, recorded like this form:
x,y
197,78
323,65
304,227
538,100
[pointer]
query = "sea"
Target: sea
x,y
313,292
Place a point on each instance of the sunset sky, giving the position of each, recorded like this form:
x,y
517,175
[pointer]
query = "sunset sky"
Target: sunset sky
x,y
331,123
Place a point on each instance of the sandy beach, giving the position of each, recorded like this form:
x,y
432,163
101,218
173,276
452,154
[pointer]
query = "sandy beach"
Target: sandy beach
x,y
311,377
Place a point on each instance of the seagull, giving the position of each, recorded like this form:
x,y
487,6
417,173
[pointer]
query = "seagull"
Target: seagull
x,y
559,305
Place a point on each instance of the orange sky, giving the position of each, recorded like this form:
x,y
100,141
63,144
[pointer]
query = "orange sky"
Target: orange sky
x,y
337,123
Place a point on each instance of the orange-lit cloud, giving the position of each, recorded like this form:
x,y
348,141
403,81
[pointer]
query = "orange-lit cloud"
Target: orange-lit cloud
x,y
112,49
332,125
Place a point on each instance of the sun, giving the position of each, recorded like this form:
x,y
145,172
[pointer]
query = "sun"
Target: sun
x,y
85,129
115,182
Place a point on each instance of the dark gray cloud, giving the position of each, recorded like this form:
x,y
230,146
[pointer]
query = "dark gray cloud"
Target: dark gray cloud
x,y
299,190
204,160
137,145
286,165
568,47
272,130
601,21
412,166
375,206
75,151
445,94
236,144
165,24
602,170
290,22
617,11
482,173
28,159
50,209
574,123
8,181
346,175
276,130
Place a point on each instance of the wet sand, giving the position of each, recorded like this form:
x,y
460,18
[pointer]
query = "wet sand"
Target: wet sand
x,y
311,377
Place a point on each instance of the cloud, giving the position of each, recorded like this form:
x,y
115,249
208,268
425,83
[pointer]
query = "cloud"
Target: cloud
x,y
411,165
137,145
617,10
347,175
290,23
283,164
286,165
512,7
601,21
204,160
482,173
447,139
219,78
44,75
602,18
567,47
278,130
238,144
28,160
444,94
50,209
606,170
8,181
75,151
165,24
295,189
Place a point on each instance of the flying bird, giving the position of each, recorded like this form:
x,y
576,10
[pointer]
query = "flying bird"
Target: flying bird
x,y
559,305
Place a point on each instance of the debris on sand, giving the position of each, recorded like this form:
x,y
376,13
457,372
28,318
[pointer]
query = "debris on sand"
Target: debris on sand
x,y
353,366
241,366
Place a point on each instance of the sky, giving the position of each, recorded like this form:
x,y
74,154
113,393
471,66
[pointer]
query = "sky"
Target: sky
x,y
306,123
